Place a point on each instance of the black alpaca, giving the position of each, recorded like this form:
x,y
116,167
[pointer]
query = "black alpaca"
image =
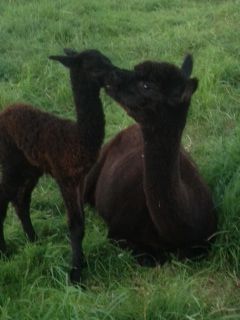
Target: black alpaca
x,y
33,142
144,184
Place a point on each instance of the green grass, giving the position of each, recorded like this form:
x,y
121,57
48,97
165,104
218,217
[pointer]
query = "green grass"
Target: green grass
x,y
33,280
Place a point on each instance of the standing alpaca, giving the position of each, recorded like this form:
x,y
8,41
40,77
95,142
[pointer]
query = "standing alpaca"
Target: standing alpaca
x,y
33,142
144,184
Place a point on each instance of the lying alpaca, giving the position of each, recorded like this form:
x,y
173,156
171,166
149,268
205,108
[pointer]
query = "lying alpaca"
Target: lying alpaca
x,y
144,185
33,142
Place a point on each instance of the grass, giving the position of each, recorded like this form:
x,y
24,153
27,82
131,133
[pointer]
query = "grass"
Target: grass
x,y
33,280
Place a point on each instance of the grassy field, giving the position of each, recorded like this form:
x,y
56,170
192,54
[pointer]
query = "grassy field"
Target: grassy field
x,y
33,280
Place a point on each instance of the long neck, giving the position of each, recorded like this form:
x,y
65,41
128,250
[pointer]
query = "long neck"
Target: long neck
x,y
162,160
90,116
163,187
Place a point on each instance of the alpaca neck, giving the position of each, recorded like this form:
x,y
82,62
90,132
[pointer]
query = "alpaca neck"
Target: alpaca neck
x,y
162,160
164,189
90,116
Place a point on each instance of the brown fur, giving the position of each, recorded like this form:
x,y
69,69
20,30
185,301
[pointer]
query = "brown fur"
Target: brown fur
x,y
144,184
33,142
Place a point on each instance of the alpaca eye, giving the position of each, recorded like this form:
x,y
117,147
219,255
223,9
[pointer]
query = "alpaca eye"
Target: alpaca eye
x,y
145,86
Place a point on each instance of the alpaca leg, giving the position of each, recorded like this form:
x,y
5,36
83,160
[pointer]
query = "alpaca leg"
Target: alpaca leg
x,y
15,188
7,190
145,256
22,206
3,212
149,258
75,213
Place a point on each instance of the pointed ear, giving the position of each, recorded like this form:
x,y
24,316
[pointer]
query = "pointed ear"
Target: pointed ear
x,y
70,52
187,65
67,61
190,88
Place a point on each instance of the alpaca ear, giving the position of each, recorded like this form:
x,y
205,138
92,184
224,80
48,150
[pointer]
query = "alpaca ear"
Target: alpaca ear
x,y
190,88
70,52
67,61
187,65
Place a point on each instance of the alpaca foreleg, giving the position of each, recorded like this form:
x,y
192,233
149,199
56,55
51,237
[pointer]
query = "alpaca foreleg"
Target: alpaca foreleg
x,y
76,228
76,221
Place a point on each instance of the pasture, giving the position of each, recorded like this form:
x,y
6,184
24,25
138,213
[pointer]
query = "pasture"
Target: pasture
x,y
34,277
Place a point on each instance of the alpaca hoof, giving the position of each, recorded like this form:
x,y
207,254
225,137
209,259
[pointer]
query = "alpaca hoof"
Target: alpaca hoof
x,y
145,260
33,237
75,276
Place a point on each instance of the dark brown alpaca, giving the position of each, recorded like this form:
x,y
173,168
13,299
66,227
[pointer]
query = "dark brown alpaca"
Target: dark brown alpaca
x,y
33,142
144,184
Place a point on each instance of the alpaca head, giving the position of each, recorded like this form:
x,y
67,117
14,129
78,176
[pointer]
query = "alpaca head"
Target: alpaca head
x,y
89,64
154,93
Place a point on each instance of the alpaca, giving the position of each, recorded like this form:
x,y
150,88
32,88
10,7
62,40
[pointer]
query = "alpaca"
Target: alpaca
x,y
144,184
33,143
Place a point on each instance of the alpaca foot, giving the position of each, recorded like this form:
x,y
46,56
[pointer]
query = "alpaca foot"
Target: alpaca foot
x,y
32,237
148,260
75,275
145,260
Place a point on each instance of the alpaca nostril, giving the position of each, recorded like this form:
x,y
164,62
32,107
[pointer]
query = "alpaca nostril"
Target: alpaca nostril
x,y
116,77
113,79
110,79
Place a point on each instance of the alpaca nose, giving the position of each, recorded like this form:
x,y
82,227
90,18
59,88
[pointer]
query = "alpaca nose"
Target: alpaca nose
x,y
117,77
113,78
